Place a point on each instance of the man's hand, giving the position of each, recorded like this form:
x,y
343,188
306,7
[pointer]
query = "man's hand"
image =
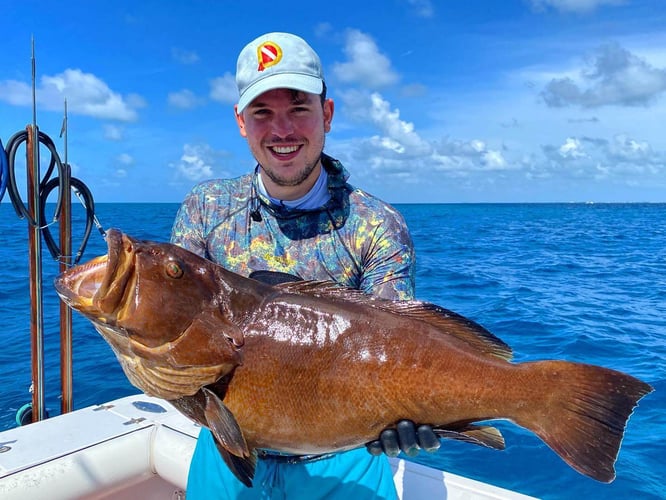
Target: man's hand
x,y
406,437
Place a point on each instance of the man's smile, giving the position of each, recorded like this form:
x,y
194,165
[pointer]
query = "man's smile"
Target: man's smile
x,y
283,150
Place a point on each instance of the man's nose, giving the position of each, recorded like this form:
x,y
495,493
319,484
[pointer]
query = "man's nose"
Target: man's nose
x,y
282,125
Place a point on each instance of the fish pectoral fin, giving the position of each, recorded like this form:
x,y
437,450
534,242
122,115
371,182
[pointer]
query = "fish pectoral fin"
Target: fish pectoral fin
x,y
224,426
209,340
483,435
242,468
229,438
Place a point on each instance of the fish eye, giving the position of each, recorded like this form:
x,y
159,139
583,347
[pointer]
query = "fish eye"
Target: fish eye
x,y
173,270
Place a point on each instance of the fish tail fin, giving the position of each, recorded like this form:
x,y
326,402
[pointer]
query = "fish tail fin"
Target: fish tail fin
x,y
583,413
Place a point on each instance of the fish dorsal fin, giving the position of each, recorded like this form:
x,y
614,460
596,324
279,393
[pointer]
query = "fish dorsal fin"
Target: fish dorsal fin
x,y
445,320
455,324
274,277
326,289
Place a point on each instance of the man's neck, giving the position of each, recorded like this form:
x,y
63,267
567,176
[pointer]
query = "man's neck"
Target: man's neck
x,y
288,193
316,197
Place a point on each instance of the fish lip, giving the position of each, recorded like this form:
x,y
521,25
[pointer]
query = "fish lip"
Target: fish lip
x,y
119,273
85,288
114,243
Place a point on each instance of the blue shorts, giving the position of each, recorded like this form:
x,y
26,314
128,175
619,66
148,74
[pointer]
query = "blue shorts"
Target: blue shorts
x,y
349,475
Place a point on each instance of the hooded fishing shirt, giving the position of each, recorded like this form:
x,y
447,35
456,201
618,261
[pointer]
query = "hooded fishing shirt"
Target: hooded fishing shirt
x,y
354,239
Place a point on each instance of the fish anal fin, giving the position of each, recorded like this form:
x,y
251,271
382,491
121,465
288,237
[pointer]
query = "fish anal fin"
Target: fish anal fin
x,y
483,435
224,426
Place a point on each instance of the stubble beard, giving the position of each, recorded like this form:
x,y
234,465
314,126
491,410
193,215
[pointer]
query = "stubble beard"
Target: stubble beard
x,y
296,180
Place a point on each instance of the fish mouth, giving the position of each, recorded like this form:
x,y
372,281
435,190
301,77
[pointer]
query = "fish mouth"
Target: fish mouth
x,y
99,287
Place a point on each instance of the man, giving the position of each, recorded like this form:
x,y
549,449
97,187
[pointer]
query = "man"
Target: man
x,y
297,214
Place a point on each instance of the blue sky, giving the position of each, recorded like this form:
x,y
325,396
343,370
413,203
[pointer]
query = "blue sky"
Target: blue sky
x,y
456,101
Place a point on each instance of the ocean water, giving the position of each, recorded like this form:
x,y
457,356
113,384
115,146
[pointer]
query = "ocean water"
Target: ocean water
x,y
582,282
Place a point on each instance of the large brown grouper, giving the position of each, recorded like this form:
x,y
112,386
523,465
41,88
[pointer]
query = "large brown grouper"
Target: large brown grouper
x,y
310,367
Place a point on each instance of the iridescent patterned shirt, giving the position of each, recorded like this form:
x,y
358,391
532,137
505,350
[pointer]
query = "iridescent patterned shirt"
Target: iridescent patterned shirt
x,y
355,239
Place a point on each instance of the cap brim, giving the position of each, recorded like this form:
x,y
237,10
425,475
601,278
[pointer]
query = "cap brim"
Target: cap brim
x,y
304,83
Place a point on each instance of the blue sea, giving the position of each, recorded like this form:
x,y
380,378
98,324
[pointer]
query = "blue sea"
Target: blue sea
x,y
582,282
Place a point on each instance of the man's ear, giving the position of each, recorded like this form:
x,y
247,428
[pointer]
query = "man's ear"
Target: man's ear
x,y
240,121
329,108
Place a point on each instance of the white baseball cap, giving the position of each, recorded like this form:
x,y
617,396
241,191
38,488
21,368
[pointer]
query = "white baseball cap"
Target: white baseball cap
x,y
275,61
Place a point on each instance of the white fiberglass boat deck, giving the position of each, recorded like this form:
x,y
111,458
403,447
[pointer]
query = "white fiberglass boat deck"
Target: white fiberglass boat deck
x,y
140,447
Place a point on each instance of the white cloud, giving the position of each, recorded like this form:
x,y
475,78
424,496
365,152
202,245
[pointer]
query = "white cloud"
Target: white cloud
x,y
621,160
223,89
121,162
414,90
614,76
401,152
366,64
113,133
422,8
573,5
623,148
493,160
184,56
399,135
184,99
196,163
125,159
460,158
323,30
572,149
388,120
388,144
85,93
503,143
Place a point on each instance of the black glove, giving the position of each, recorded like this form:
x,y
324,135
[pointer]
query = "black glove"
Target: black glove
x,y
405,437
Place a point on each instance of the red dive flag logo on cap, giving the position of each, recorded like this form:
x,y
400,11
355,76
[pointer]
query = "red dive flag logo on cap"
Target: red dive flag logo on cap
x,y
268,54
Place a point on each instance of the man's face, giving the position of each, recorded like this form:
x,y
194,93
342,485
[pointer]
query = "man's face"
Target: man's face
x,y
285,131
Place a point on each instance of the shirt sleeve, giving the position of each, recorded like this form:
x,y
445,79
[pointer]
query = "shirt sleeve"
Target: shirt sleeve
x,y
389,260
188,227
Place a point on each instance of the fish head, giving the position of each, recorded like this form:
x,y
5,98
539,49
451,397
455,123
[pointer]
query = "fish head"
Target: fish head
x,y
159,307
